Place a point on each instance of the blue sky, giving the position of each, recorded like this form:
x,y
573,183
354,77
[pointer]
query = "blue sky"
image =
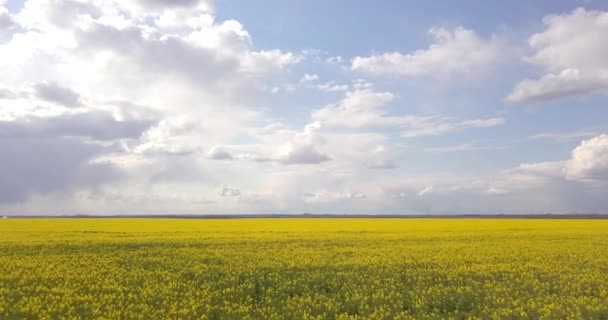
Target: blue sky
x,y
111,107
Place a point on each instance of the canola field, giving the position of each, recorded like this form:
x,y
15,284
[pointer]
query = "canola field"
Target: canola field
x,y
303,269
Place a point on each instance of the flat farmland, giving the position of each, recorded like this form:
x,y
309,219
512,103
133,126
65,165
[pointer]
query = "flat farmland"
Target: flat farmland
x,y
303,268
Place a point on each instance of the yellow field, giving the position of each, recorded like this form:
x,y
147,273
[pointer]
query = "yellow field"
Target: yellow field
x,y
303,269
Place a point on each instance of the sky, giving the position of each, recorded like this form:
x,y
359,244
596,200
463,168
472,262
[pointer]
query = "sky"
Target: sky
x,y
325,107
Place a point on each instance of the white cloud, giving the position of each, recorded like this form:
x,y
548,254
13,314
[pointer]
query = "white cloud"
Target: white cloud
x,y
572,50
309,77
303,148
454,52
294,153
218,153
589,160
357,109
569,82
171,135
311,81
530,173
331,86
588,163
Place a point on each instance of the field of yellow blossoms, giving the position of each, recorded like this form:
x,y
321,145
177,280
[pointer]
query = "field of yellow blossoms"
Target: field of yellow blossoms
x,y
303,269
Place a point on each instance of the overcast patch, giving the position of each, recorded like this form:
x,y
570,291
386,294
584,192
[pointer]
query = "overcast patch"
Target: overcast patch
x,y
48,165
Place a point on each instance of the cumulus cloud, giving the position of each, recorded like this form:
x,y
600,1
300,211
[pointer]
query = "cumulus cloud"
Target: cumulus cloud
x,y
98,88
358,108
159,54
567,83
171,135
303,147
218,153
454,52
572,50
57,149
117,106
296,153
588,163
589,160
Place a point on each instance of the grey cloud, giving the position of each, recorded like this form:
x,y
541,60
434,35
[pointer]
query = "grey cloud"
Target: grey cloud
x,y
5,21
57,94
162,56
44,165
96,125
